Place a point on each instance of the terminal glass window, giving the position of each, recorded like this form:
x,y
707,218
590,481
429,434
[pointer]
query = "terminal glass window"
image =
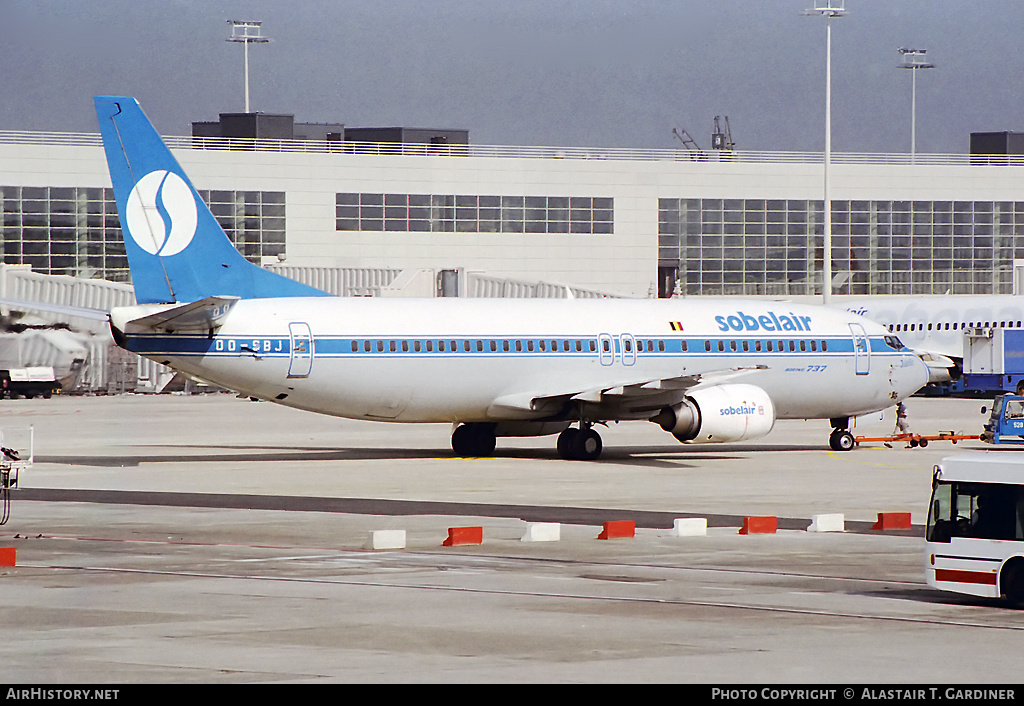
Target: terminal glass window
x,y
774,246
440,213
76,230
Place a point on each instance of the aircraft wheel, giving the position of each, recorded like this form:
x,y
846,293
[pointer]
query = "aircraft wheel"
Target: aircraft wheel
x,y
565,443
841,440
473,440
586,445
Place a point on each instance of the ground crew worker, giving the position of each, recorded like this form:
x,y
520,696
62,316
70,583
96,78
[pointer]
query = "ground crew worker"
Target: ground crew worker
x,y
902,425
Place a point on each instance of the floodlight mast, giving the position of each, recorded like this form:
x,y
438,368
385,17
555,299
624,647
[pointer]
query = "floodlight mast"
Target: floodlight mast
x,y
913,59
246,32
833,8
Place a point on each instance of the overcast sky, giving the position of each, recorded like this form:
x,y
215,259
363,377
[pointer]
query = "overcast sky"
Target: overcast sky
x,y
610,73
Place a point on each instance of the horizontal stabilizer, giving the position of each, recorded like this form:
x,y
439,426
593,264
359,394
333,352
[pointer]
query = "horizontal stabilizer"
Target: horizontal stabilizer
x,y
197,316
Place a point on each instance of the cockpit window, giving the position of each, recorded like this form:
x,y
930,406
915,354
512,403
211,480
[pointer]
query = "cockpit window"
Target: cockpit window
x,y
895,343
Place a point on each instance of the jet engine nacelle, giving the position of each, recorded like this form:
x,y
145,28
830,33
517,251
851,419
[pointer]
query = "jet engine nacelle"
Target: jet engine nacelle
x,y
940,368
719,414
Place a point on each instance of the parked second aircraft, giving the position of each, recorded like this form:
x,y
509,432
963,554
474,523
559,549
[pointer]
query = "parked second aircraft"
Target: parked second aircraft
x,y
706,371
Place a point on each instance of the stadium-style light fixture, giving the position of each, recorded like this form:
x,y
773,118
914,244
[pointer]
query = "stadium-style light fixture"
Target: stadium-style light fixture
x,y
828,11
246,32
913,59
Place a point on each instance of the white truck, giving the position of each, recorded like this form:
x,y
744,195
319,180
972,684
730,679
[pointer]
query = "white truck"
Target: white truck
x,y
28,382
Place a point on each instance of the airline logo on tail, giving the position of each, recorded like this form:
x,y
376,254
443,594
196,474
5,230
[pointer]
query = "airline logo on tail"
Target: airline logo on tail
x,y
161,199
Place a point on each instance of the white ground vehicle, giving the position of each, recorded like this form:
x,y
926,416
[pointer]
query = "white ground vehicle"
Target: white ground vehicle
x,y
975,534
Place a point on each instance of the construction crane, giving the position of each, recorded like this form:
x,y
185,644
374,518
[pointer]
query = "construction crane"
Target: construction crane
x,y
688,142
722,139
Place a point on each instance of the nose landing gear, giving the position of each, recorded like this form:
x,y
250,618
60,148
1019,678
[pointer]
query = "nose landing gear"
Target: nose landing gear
x,y
841,439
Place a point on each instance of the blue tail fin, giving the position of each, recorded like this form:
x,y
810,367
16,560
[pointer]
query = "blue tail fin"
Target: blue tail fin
x,y
177,251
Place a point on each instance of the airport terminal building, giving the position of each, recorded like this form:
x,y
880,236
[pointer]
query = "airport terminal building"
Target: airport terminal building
x,y
638,223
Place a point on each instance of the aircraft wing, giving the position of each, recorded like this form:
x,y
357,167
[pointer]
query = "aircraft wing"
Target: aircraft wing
x,y
633,392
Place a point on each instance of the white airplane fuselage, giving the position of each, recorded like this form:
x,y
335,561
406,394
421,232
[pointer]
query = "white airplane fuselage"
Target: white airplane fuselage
x,y
474,360
936,324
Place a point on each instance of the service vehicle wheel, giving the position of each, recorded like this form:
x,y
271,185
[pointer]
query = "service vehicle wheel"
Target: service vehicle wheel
x,y
1011,581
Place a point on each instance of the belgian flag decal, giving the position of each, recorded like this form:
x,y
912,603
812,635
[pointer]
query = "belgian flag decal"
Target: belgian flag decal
x,y
676,325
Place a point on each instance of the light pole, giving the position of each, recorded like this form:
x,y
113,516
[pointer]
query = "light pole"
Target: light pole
x,y
913,59
830,10
246,32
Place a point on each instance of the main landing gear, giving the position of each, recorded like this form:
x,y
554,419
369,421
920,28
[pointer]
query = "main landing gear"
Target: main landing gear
x,y
840,439
583,444
477,439
474,439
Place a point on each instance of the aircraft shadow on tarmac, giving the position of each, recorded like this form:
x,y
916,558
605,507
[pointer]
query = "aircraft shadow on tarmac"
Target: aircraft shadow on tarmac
x,y
670,456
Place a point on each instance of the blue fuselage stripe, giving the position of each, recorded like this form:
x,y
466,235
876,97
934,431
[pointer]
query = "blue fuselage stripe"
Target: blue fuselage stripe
x,y
548,346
